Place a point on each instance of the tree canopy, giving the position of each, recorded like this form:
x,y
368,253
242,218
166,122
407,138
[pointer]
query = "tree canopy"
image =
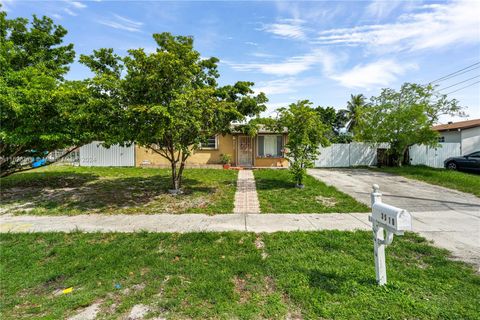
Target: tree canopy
x,y
38,107
168,101
335,121
404,118
306,133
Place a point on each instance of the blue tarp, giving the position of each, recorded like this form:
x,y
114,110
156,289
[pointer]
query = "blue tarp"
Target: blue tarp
x,y
38,162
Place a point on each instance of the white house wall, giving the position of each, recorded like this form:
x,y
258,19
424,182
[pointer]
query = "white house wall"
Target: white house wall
x,y
470,140
451,136
94,155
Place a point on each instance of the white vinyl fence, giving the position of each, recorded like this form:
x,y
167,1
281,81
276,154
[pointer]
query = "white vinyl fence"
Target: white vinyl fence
x,y
348,155
365,154
94,155
433,157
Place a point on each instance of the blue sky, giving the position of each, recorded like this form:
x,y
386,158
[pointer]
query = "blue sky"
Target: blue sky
x,y
322,51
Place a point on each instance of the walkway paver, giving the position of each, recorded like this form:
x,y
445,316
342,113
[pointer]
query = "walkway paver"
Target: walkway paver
x,y
246,198
449,218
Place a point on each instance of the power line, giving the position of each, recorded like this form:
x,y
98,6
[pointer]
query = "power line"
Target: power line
x,y
456,73
471,84
456,84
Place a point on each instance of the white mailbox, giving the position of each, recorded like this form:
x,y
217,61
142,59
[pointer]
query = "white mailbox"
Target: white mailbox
x,y
391,218
386,221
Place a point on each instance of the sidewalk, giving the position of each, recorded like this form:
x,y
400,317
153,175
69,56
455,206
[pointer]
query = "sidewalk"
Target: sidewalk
x,y
186,222
451,232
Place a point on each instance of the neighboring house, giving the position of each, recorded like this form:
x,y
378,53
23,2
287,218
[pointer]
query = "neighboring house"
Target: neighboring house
x,y
266,149
467,133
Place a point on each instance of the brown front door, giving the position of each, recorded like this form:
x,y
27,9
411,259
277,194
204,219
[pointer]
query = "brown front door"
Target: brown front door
x,y
245,151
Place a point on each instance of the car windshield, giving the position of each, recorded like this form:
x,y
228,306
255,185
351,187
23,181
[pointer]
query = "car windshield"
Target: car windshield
x,y
475,154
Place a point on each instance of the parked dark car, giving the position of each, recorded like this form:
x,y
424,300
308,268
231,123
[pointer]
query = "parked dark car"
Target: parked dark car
x,y
470,161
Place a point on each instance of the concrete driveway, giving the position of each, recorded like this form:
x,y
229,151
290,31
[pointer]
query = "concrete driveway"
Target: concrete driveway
x,y
450,218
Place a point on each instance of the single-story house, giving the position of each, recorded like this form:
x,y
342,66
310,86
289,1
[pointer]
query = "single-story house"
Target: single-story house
x,y
467,133
265,149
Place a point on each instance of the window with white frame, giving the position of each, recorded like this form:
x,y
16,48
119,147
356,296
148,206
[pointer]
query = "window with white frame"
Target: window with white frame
x,y
270,146
211,143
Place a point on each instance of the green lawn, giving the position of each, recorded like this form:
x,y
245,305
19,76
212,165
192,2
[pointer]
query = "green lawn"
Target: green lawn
x,y
277,194
65,190
462,181
314,275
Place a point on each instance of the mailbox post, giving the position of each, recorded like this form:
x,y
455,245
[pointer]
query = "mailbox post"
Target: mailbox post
x,y
386,221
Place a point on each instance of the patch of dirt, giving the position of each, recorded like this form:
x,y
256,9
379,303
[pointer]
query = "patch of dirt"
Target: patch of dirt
x,y
240,287
134,288
326,201
89,313
260,245
139,311
176,204
270,286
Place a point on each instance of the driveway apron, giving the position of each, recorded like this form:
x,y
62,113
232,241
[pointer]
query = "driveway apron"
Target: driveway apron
x,y
450,218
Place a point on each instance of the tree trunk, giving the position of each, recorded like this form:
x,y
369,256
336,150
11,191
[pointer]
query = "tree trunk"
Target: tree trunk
x,y
174,176
177,175
180,174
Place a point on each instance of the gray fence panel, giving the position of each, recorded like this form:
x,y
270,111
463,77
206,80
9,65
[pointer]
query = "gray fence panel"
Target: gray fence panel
x,y
94,155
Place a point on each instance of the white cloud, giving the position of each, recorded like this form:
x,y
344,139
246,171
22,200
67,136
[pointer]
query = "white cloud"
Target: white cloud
x,y
292,66
78,4
375,74
287,28
252,43
272,108
381,8
70,12
309,10
433,26
278,86
262,55
122,23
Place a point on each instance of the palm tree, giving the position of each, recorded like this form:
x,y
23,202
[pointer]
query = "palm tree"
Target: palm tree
x,y
351,113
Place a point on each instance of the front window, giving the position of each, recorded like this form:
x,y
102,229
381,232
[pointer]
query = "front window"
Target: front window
x,y
270,146
211,143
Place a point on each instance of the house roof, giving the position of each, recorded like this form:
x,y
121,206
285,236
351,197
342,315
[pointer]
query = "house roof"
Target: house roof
x,y
261,129
457,125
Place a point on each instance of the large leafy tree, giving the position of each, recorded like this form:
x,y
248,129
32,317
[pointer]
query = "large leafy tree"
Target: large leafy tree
x,y
169,100
335,121
38,106
404,118
349,116
306,133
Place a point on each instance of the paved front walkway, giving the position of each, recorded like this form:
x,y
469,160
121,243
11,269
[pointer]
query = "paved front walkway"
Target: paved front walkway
x,y
185,222
449,218
246,198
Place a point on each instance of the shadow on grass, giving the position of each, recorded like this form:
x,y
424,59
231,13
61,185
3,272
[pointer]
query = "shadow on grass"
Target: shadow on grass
x,y
330,282
86,192
272,184
334,283
53,180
